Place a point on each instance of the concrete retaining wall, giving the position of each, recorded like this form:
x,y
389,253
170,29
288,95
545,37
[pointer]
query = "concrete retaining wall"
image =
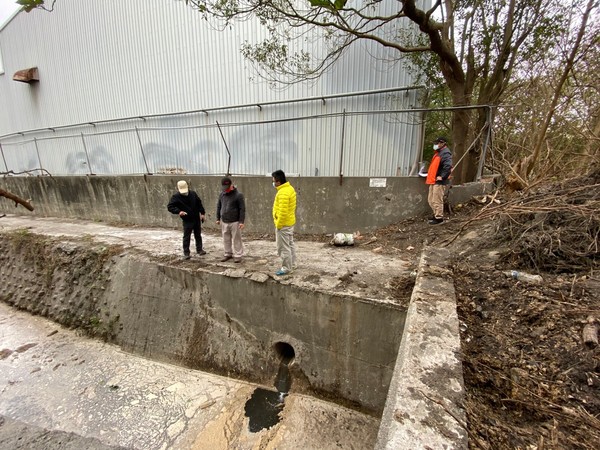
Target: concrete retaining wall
x,y
345,346
324,204
423,408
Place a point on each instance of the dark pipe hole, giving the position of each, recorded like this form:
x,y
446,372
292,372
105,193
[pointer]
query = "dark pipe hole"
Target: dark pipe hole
x,y
285,352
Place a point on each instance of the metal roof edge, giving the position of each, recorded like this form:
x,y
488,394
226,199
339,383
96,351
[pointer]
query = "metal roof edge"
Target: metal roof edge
x,y
10,18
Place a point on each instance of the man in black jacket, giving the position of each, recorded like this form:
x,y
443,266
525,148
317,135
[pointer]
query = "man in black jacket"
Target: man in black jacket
x,y
188,206
231,214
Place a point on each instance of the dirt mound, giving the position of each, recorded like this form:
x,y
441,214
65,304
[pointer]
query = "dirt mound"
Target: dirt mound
x,y
530,380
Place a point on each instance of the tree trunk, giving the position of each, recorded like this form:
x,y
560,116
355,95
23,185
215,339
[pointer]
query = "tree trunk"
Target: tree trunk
x,y
467,168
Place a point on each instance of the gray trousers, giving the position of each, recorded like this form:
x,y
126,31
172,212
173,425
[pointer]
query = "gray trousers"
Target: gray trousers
x,y
286,248
232,239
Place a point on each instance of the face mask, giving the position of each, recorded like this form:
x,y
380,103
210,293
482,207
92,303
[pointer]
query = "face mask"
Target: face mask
x,y
435,146
274,185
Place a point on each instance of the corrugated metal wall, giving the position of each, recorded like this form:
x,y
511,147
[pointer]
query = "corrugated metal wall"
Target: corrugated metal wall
x,y
110,59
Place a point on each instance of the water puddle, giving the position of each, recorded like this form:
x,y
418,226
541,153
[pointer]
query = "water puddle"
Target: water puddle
x,y
263,408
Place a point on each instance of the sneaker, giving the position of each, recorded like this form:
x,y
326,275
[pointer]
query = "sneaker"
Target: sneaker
x,y
225,258
201,252
281,272
237,260
186,257
435,221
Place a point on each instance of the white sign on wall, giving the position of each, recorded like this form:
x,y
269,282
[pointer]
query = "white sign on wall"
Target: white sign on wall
x,y
377,182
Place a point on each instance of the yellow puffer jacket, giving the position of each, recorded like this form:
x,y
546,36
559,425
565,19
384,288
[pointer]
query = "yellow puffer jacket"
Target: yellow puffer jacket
x,y
284,206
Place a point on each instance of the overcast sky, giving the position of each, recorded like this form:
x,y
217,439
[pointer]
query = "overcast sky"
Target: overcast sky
x,y
7,8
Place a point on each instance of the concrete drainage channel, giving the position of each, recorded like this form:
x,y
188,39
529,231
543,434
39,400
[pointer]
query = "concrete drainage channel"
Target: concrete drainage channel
x,y
337,347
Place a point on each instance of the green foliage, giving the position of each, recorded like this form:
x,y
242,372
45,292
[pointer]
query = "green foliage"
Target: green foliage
x,y
30,5
323,3
424,66
335,5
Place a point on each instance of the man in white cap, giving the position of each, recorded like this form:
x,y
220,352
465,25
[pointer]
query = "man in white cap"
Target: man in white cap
x,y
188,206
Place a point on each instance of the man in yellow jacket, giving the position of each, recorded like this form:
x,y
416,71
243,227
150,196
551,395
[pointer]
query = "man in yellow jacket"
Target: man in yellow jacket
x,y
284,216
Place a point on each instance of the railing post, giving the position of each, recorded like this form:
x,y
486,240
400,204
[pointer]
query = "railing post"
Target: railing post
x,y
137,132
37,150
342,147
485,143
3,158
226,148
86,154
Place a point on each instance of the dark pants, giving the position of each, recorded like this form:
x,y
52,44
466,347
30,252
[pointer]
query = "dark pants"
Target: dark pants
x,y
188,228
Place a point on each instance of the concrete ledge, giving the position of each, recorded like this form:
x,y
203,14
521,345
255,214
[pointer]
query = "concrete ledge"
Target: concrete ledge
x,y
423,410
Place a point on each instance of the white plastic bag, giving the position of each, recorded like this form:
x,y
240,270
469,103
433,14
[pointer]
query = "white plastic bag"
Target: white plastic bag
x,y
341,239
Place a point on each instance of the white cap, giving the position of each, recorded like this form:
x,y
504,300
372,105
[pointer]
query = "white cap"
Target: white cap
x,y
182,187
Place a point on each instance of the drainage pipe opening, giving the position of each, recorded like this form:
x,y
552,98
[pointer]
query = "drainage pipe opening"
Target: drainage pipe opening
x,y
285,352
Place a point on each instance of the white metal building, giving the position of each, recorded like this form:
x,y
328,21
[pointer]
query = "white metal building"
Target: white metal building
x,y
147,86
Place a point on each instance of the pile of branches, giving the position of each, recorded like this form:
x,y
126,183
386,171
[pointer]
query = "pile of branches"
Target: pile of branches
x,y
554,228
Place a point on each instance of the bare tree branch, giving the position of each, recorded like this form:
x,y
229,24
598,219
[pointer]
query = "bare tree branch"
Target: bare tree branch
x,y
18,200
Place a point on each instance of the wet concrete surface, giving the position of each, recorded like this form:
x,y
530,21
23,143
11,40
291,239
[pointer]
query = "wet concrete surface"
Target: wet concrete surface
x,y
61,390
69,384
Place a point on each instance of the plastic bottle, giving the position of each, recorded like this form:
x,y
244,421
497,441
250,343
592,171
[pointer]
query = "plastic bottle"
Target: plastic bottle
x,y
523,276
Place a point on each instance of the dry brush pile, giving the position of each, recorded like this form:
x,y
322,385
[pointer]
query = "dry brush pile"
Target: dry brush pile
x,y
554,228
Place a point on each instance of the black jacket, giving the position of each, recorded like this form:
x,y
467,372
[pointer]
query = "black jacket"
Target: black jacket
x,y
190,203
445,167
231,207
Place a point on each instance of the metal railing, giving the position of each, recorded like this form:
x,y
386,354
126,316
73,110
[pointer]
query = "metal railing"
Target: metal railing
x,y
343,115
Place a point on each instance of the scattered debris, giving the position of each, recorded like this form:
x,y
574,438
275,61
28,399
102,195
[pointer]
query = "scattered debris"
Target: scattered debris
x,y
523,276
590,332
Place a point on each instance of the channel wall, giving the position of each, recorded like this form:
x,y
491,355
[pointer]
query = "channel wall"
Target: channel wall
x,y
345,346
325,204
